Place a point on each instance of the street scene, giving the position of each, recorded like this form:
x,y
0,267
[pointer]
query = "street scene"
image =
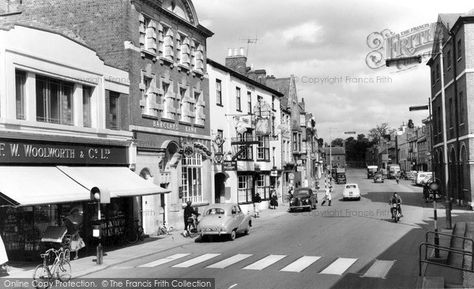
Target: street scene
x,y
236,144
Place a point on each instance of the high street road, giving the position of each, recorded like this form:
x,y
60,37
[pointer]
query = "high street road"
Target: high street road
x,y
352,244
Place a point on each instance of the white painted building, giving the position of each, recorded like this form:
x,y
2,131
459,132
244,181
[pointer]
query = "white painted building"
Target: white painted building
x,y
244,110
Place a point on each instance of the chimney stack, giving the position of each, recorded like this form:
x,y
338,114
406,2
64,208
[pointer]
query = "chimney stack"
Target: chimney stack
x,y
237,61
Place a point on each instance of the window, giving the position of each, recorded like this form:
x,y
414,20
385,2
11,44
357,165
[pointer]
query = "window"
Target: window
x,y
295,142
245,189
146,95
273,102
448,58
20,81
218,92
167,45
459,49
249,102
263,148
220,133
238,105
185,50
247,154
113,119
263,186
199,57
54,100
439,119
273,126
451,113
147,34
461,106
191,180
86,106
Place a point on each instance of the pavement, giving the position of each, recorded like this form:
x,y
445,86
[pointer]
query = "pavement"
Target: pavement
x,y
87,265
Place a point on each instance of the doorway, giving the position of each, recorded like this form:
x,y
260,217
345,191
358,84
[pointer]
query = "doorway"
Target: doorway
x,y
219,185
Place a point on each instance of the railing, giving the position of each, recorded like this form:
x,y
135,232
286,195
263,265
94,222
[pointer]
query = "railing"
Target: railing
x,y
462,252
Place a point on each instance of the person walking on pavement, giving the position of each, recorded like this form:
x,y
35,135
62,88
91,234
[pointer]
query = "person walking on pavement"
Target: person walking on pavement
x,y
273,200
256,199
327,196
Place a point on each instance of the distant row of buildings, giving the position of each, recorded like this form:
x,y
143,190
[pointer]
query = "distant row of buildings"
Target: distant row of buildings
x,y
120,95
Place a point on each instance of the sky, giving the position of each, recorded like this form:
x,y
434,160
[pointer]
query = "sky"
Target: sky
x,y
324,45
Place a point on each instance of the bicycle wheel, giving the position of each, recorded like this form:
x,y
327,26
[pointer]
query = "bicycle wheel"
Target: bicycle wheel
x,y
64,271
67,255
131,236
41,277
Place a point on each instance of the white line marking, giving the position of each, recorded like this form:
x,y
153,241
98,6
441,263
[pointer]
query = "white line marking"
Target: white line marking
x,y
196,260
163,261
265,262
379,269
229,261
301,264
339,266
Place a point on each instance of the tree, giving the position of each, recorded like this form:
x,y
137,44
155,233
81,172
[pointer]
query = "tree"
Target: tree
x,y
321,142
337,142
379,132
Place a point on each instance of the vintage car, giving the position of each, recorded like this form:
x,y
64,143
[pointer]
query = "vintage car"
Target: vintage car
x,y
351,191
378,178
303,199
224,219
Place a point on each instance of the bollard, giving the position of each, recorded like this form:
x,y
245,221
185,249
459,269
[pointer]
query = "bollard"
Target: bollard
x,y
100,254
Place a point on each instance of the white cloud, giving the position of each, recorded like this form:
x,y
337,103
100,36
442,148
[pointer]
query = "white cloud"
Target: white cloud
x,y
308,32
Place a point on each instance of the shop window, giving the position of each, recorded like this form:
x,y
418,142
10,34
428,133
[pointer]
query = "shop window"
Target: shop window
x,y
113,111
263,186
245,189
263,149
54,101
20,81
191,179
86,106
238,104
218,92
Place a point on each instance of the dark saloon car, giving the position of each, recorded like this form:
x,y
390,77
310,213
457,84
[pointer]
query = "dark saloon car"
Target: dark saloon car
x,y
303,199
378,178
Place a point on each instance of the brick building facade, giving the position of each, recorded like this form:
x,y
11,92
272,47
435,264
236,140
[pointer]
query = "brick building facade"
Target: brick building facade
x,y
163,48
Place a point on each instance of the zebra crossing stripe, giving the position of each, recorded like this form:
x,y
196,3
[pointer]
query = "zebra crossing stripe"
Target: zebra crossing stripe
x,y
196,260
301,264
339,266
229,261
379,269
163,261
265,262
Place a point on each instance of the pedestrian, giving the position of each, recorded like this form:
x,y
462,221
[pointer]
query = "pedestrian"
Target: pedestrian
x,y
290,193
73,224
273,200
327,196
256,199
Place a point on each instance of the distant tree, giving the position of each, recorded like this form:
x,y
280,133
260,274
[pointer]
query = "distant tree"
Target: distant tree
x,y
380,131
337,142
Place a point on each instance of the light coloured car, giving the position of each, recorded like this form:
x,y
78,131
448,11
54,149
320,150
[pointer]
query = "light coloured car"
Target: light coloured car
x,y
422,177
224,219
351,191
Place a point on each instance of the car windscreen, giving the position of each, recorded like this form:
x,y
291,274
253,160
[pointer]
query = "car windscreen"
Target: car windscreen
x,y
351,187
303,193
215,211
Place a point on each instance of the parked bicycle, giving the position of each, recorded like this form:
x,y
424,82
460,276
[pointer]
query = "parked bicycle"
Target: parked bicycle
x,y
134,233
164,229
60,269
191,226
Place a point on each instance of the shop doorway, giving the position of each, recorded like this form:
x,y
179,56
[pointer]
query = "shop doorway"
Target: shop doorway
x,y
219,185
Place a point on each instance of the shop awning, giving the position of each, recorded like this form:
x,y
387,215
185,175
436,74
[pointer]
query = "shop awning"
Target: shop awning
x,y
22,186
119,181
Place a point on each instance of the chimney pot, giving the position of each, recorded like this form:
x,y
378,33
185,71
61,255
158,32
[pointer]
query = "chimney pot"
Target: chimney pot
x,y
236,51
242,51
229,52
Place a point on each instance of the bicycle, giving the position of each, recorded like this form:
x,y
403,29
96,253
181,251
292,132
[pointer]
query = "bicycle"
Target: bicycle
x,y
134,233
191,226
59,270
164,229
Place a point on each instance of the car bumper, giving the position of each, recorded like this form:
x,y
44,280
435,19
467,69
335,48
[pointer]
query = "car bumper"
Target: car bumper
x,y
351,197
300,207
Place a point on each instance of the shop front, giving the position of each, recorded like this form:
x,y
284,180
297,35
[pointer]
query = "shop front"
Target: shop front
x,y
48,183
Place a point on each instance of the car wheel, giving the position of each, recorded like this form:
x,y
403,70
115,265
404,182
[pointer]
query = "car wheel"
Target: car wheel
x,y
232,235
358,198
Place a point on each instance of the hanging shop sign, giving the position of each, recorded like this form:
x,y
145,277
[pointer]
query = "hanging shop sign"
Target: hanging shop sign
x,y
229,165
274,173
34,152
